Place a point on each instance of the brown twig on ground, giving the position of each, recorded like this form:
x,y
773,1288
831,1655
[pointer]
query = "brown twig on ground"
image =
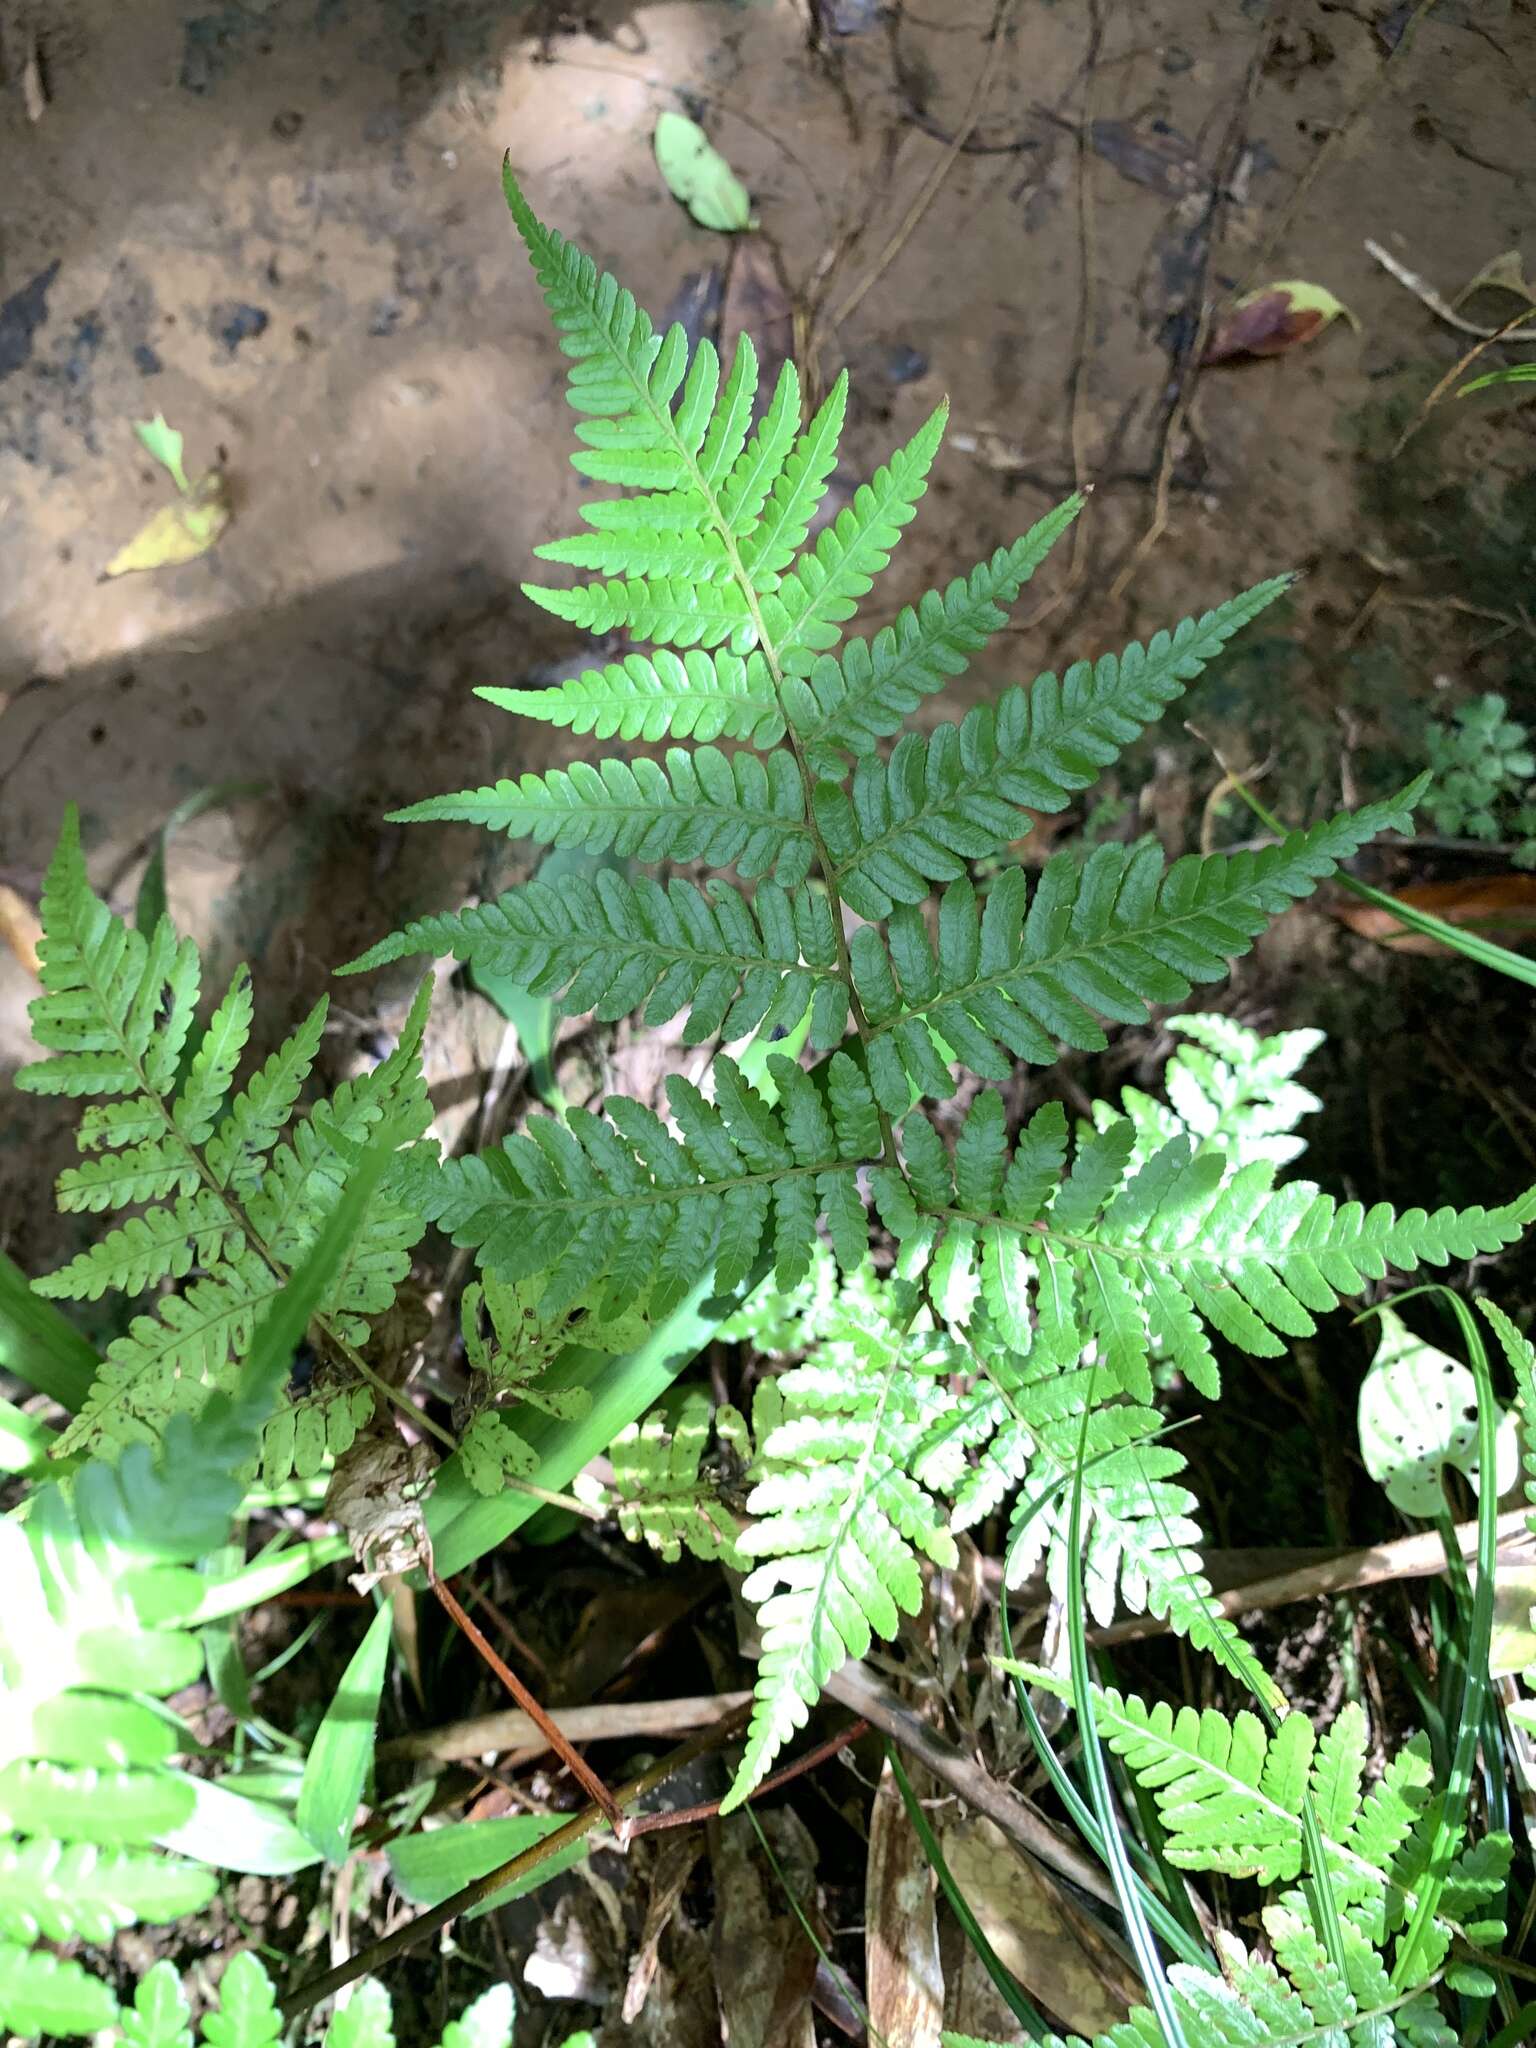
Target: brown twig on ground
x,y
1426,294
1459,369
691,1816
576,1829
1189,367
515,1730
929,190
1408,1557
571,1757
862,1692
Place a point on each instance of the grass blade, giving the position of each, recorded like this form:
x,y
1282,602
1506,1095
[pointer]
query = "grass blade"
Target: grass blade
x,y
343,1747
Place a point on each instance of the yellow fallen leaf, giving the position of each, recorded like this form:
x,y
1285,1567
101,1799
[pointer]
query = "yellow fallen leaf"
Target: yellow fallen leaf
x,y
20,929
177,533
1513,1648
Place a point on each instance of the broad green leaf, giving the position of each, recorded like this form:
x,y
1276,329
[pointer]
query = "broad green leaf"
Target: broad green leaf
x,y
158,2017
238,1833
698,175
343,1747
1418,1415
431,1866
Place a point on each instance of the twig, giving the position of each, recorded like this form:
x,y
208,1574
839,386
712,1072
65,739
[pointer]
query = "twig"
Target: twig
x,y
572,1758
1082,339
1427,295
373,1958
690,1816
1408,1557
1189,368
1459,369
941,170
857,1688
510,1730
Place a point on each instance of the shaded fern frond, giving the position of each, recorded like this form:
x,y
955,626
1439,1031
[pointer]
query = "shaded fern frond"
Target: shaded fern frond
x,y
844,705
665,1498
731,810
957,794
232,1186
1109,936
619,1199
613,946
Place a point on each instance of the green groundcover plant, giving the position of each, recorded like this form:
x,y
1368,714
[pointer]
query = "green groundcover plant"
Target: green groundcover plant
x,y
973,1309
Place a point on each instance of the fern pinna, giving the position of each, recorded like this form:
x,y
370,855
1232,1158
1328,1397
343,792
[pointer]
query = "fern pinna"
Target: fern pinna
x,y
234,1185
1052,1254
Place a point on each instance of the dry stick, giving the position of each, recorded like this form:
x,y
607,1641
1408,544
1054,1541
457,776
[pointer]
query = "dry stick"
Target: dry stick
x,y
1459,369
859,1689
690,1816
940,171
1408,1557
1426,294
489,1734
1189,369
372,1959
573,1760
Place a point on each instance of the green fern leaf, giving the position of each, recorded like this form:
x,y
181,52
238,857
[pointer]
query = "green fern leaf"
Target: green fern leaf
x,y
248,2016
1231,1089
618,1197
803,615
41,1994
841,1524
845,704
485,2024
773,541
1183,1243
696,696
58,1891
729,810
614,946
664,1499
212,1071
365,2021
159,2017
161,1244
260,1112
958,794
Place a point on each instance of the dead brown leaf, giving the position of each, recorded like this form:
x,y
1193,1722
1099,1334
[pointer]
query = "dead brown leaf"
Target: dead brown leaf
x,y
1057,1953
1271,321
674,1864
375,1497
1152,154
764,1965
1500,906
903,1978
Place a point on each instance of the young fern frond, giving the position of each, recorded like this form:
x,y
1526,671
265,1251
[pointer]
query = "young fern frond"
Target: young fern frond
x,y
1231,1089
229,1185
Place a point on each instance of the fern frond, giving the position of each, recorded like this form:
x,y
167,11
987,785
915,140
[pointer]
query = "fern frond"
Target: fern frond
x,y
841,1523
223,1195
1230,1796
957,794
774,539
1231,1089
696,696
665,1499
1110,936
41,1994
846,703
731,810
805,612
614,946
618,1198
1115,1256
161,1244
